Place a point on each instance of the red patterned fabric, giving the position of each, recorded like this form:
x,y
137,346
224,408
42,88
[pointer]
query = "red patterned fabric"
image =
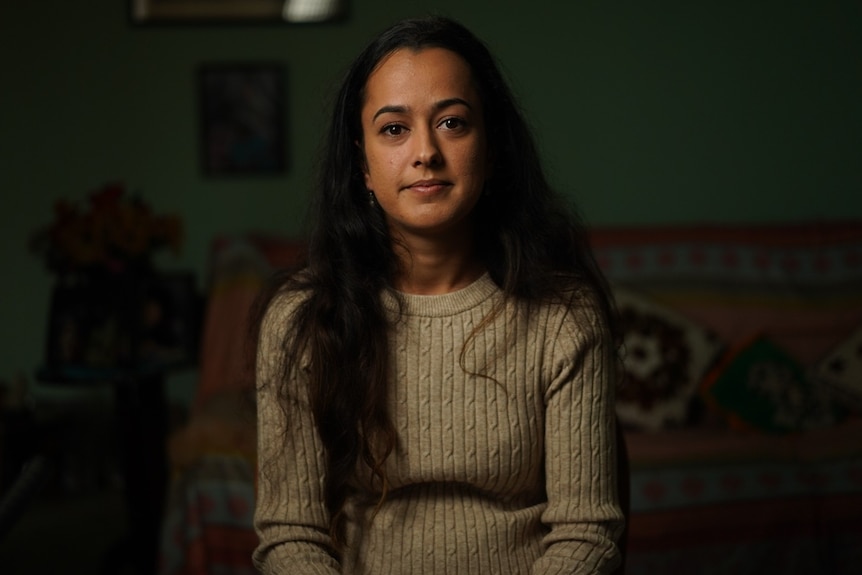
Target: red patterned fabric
x,y
712,500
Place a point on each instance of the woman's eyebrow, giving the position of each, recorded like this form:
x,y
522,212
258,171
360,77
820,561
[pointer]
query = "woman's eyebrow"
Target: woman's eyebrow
x,y
389,110
442,104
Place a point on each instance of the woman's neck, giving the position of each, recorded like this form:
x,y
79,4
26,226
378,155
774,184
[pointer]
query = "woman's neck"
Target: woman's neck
x,y
430,267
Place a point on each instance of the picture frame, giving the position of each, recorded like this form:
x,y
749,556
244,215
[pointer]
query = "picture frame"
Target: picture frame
x,y
186,12
242,118
122,323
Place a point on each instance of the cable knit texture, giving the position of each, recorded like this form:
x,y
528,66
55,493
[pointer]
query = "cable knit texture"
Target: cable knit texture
x,y
504,462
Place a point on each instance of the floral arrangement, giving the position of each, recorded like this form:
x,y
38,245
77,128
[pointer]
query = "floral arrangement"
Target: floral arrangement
x,y
114,234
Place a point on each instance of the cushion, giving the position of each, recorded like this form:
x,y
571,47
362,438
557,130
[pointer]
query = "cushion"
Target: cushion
x,y
760,386
665,357
841,371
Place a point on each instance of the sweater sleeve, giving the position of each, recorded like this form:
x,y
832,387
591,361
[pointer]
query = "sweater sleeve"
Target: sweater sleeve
x,y
291,520
583,511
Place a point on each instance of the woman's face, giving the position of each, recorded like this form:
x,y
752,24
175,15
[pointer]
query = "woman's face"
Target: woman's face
x,y
426,157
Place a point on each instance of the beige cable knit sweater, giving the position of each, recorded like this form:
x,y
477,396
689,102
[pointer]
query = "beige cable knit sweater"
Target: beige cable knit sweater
x,y
512,474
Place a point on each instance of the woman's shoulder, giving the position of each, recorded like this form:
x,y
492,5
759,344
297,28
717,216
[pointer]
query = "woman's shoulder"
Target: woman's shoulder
x,y
283,303
579,310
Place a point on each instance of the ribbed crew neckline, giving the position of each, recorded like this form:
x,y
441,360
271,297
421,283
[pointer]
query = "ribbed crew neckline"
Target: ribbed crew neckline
x,y
443,304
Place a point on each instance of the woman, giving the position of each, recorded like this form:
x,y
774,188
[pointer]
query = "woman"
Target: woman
x,y
435,386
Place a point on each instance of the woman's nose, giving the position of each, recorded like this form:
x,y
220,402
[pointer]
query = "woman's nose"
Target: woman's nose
x,y
427,149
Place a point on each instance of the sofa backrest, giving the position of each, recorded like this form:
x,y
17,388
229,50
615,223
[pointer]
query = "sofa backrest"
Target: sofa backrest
x,y
800,284
723,286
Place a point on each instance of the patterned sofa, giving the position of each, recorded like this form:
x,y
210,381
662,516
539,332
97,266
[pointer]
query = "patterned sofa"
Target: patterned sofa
x,y
743,349
742,408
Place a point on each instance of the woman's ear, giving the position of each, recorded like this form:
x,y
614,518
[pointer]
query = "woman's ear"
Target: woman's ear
x,y
489,164
363,165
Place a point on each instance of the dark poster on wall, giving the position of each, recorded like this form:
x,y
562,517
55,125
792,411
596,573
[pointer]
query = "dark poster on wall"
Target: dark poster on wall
x,y
242,119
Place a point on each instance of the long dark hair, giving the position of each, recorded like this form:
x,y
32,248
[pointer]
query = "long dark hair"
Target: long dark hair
x,y
532,245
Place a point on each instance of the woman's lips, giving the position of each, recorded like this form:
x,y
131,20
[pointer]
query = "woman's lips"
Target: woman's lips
x,y
428,186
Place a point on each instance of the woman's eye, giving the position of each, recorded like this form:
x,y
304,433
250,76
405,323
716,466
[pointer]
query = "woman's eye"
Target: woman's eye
x,y
453,123
393,130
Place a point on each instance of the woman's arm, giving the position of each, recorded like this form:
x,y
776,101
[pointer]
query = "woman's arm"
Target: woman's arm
x,y
583,509
290,517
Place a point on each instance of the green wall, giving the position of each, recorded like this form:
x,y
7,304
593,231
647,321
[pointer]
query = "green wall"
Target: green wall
x,y
647,112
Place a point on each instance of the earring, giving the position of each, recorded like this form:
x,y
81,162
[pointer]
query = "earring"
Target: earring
x,y
372,201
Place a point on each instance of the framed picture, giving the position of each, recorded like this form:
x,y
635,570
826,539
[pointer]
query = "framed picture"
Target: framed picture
x,y
154,321
236,11
242,118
